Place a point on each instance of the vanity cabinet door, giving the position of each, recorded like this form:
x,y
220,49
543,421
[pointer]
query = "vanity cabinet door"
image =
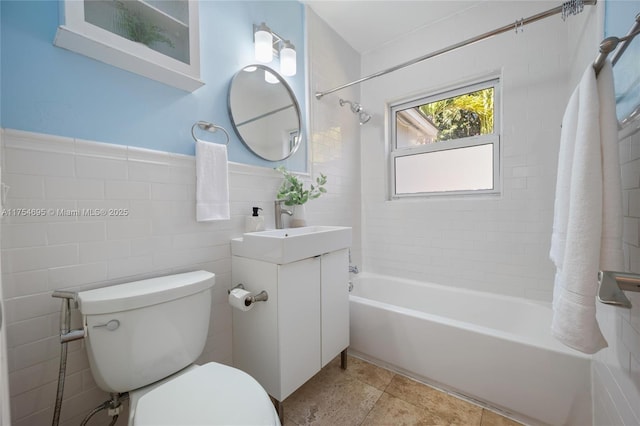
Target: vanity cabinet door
x,y
255,332
298,323
334,302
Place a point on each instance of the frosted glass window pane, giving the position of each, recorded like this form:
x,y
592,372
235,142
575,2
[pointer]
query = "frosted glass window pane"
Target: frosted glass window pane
x,y
461,169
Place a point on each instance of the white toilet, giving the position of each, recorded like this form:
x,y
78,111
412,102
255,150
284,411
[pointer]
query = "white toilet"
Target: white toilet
x,y
142,337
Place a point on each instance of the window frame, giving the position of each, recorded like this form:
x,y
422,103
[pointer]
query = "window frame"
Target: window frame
x,y
494,82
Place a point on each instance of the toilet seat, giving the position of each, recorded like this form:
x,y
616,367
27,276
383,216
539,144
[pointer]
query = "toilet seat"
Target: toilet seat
x,y
212,394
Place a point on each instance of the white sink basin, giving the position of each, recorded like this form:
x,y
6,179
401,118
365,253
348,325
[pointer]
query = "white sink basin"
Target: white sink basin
x,y
288,245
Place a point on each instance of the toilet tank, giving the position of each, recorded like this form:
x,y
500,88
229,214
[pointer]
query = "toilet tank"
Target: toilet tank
x,y
143,331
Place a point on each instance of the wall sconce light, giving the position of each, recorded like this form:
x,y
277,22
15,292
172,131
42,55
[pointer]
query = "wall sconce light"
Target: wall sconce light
x,y
268,44
263,43
287,59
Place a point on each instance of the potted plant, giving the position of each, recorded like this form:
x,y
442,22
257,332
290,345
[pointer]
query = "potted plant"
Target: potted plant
x,y
137,29
293,193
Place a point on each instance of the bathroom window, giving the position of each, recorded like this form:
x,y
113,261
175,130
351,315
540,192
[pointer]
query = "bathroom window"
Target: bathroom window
x,y
447,143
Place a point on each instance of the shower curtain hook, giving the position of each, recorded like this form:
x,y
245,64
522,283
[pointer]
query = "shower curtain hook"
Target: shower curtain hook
x,y
571,7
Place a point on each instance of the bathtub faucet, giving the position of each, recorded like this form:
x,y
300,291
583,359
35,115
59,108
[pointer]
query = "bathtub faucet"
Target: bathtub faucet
x,y
353,269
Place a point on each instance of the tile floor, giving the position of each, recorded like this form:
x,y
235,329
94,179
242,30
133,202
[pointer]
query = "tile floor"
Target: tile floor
x,y
365,394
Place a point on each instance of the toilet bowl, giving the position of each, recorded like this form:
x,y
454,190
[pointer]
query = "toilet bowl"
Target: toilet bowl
x,y
143,338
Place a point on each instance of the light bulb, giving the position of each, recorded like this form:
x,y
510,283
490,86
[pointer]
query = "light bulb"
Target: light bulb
x,y
263,44
288,59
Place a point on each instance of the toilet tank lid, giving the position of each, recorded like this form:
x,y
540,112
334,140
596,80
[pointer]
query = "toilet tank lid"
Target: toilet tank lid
x,y
137,294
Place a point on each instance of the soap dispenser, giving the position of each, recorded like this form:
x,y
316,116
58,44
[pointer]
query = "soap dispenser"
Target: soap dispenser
x,y
254,222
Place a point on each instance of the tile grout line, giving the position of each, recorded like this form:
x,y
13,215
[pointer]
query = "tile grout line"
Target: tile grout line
x,y
481,416
377,400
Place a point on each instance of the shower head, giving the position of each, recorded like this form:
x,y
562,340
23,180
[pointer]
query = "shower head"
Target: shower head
x,y
364,117
356,108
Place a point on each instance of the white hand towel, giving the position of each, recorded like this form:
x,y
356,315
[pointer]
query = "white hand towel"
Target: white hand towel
x,y
212,182
587,229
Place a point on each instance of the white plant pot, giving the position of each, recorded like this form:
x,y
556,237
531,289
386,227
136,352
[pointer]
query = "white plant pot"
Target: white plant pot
x,y
299,217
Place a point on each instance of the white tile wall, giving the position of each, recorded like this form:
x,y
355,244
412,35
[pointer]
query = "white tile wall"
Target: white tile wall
x,y
158,236
615,378
496,244
335,131
616,369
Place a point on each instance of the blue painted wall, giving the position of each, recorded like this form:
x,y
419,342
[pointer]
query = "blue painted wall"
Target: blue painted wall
x,y
51,90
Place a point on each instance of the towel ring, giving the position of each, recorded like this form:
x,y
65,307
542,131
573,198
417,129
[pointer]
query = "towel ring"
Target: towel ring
x,y
209,127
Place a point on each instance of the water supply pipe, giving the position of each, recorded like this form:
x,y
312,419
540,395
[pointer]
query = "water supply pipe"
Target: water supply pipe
x,y
65,325
66,335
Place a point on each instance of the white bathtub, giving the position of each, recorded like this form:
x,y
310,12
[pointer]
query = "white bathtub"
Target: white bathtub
x,y
494,349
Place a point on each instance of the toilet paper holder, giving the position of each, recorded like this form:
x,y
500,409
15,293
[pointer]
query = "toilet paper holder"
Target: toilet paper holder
x,y
263,296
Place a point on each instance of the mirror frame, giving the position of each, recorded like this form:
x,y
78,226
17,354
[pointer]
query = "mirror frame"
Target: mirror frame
x,y
294,100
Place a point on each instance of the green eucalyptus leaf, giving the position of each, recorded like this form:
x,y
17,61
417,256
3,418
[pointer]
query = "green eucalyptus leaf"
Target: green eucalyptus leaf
x,y
293,192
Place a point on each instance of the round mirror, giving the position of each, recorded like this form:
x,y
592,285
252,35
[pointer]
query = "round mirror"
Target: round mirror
x,y
264,112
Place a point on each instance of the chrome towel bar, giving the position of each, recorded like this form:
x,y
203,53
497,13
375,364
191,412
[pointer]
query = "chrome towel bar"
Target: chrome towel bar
x,y
611,285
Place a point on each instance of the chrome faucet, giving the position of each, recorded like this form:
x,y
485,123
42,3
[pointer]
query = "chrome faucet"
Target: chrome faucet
x,y
353,269
279,212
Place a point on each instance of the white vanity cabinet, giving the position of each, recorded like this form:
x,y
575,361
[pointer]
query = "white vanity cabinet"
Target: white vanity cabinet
x,y
302,326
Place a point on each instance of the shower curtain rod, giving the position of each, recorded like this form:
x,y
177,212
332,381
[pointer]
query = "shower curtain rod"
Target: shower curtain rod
x,y
518,24
609,44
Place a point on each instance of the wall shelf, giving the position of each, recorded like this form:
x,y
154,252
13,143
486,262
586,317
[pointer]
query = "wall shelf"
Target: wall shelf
x,y
167,34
